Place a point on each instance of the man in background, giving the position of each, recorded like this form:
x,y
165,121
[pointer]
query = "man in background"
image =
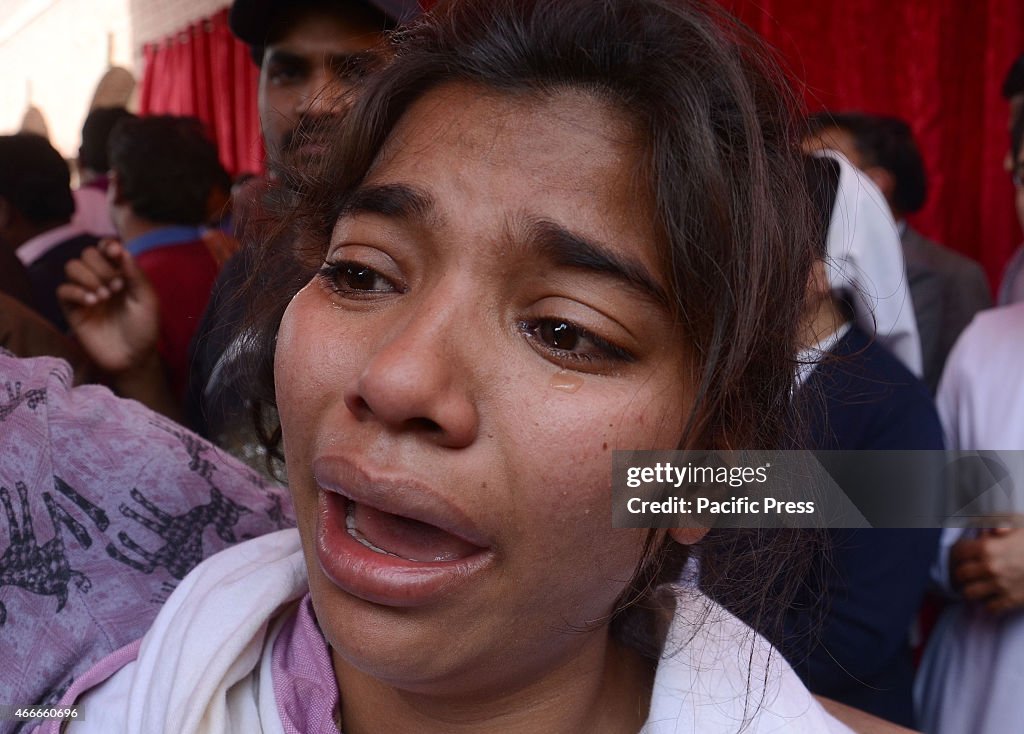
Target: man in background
x,y
91,211
36,206
162,170
1013,93
969,678
946,288
311,54
1011,289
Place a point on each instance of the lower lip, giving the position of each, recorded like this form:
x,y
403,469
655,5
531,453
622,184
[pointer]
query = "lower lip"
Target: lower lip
x,y
379,578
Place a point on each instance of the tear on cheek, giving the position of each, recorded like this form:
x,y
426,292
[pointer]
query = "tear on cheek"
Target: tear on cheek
x,y
565,381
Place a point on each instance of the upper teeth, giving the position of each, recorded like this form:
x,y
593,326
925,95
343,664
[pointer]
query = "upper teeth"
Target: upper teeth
x,y
350,525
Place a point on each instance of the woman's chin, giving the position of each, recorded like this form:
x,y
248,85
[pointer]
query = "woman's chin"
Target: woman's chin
x,y
415,649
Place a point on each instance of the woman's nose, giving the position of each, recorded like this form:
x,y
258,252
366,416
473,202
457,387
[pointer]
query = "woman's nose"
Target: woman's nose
x,y
416,382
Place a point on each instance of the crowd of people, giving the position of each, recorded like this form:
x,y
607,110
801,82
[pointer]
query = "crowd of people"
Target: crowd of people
x,y
328,448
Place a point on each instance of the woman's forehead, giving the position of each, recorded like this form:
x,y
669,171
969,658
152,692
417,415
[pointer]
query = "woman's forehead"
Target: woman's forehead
x,y
517,131
565,156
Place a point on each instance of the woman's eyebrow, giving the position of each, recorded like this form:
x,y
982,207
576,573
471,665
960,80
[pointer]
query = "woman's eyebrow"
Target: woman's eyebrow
x,y
567,249
400,201
542,238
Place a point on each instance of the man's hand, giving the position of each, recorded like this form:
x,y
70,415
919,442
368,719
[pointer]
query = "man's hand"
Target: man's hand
x,y
114,311
989,569
111,308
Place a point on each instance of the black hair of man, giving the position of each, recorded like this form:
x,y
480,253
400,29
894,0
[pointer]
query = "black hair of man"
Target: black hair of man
x,y
1013,84
165,167
822,176
35,179
886,142
96,134
262,22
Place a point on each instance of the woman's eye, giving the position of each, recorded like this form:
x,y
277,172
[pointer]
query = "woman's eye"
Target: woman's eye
x,y
559,334
355,279
568,342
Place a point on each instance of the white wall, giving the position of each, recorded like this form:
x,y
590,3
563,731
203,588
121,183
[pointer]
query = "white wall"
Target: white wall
x,y
57,51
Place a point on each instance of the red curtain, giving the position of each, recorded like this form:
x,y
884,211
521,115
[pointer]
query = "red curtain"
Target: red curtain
x,y
204,71
938,64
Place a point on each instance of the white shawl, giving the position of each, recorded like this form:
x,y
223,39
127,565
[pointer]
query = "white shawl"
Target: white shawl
x,y
204,666
865,261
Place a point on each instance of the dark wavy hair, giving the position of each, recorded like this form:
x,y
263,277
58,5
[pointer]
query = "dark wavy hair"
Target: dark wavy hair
x,y
720,158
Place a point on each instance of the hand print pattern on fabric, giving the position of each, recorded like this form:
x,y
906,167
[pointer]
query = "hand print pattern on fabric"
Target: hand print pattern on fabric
x,y
106,506
42,569
15,398
182,534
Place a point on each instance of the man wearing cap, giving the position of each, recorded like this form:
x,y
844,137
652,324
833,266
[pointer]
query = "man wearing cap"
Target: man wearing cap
x,y
118,571
311,54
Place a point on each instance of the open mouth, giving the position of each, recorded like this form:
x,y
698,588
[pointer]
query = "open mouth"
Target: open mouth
x,y
403,537
391,559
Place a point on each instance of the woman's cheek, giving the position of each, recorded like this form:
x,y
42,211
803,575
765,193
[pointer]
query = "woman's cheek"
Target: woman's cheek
x,y
300,361
564,455
571,453
287,338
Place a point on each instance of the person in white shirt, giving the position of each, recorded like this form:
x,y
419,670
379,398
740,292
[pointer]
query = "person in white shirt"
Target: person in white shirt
x,y
969,677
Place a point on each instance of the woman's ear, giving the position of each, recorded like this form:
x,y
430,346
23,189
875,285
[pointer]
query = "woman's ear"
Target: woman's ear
x,y
688,536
